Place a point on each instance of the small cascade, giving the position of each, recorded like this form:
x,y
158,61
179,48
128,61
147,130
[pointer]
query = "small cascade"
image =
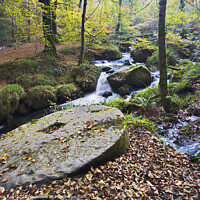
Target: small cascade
x,y
102,84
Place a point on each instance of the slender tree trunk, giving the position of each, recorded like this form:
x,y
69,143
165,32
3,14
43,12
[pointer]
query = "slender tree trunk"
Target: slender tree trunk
x,y
119,17
54,16
83,33
162,56
29,23
50,47
80,3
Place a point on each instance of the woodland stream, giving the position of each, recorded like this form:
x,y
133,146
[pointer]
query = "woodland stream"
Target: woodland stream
x,y
183,144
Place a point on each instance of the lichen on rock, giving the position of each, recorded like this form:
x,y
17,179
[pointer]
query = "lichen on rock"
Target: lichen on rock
x,y
62,143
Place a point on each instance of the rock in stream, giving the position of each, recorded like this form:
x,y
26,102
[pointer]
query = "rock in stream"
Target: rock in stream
x,y
62,143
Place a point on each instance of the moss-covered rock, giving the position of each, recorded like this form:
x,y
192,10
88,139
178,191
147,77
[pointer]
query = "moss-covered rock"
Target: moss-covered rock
x,y
141,54
40,97
103,53
86,76
10,97
66,92
136,77
124,46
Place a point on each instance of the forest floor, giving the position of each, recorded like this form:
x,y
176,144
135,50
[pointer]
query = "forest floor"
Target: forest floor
x,y
148,169
25,51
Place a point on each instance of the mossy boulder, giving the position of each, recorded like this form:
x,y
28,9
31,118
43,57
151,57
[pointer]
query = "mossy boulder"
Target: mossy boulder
x,y
10,97
136,77
66,92
40,97
124,46
103,54
62,143
141,54
86,76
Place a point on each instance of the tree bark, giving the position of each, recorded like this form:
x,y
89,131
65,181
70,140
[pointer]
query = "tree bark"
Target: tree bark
x,y
162,56
49,37
83,33
119,17
80,3
54,16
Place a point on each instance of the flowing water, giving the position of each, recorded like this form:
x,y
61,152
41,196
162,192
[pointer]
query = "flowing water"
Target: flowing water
x,y
187,146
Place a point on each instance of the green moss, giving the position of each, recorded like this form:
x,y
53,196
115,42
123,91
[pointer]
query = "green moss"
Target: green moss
x,y
66,92
9,100
40,97
86,76
66,78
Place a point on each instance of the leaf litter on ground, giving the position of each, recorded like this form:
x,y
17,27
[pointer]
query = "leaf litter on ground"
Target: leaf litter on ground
x,y
148,170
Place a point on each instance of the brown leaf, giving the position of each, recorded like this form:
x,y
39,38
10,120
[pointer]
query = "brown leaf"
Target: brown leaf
x,y
2,190
25,157
21,172
89,176
66,147
69,193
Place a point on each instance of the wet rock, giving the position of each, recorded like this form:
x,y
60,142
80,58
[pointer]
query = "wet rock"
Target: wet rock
x,y
136,77
124,90
103,54
127,62
106,69
86,76
110,71
141,54
107,94
62,143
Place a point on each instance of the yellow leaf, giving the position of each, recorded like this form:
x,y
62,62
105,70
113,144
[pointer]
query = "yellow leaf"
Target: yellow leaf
x,y
4,180
89,176
46,191
69,193
21,172
38,130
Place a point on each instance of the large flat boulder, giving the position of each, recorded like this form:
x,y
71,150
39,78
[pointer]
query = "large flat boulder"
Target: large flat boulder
x,y
62,143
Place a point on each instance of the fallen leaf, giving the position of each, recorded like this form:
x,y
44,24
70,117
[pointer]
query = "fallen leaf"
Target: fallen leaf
x,y
4,180
2,190
69,193
66,147
89,176
21,172
67,155
46,191
25,157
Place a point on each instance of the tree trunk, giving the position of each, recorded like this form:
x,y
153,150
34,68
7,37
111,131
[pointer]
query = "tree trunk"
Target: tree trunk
x,y
83,33
50,47
119,17
80,3
54,16
162,56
